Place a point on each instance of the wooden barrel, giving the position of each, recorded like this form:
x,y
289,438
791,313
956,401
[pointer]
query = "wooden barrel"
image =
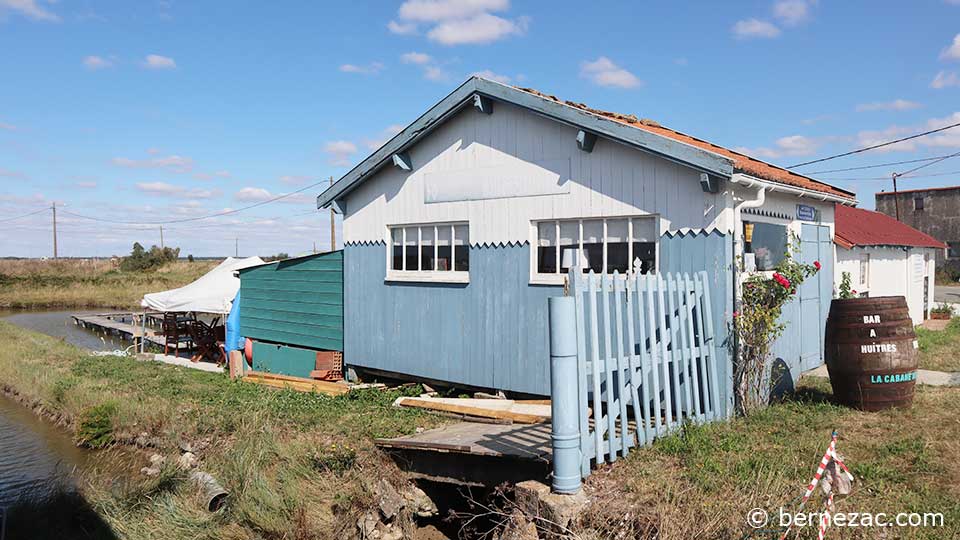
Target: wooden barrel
x,y
871,352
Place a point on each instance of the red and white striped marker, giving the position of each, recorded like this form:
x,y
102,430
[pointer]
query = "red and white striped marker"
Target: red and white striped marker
x,y
831,453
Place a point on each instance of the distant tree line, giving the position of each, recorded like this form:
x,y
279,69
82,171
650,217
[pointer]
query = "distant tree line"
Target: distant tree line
x,y
141,259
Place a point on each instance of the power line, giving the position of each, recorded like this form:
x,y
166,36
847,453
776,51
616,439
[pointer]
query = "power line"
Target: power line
x,y
915,169
24,215
887,178
877,166
198,218
880,145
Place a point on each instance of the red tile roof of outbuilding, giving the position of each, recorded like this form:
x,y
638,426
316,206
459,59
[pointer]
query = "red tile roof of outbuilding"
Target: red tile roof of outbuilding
x,y
859,227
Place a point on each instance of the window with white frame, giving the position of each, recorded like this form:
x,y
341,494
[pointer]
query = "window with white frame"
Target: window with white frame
x,y
434,250
620,244
864,269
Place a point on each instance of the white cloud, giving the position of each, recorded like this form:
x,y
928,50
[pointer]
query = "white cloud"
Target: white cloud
x,y
29,9
177,164
479,29
945,79
435,74
339,152
792,12
487,74
604,72
370,69
87,185
442,10
164,189
793,145
252,194
211,176
953,51
7,127
944,139
895,105
416,58
155,61
256,194
402,29
755,28
458,22
96,62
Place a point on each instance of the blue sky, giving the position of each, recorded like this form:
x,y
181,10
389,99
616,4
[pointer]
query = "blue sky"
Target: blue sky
x,y
162,110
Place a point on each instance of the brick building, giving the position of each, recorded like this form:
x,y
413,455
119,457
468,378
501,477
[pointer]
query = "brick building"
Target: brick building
x,y
935,211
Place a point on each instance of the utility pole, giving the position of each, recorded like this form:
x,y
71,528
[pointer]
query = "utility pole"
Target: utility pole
x,y
896,199
236,247
161,237
314,246
54,208
333,226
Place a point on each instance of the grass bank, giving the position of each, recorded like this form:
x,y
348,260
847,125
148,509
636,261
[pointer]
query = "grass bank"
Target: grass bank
x,y
35,284
297,465
940,349
702,482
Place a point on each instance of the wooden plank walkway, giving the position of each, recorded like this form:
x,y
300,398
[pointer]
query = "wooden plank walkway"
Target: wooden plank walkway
x,y
118,324
528,441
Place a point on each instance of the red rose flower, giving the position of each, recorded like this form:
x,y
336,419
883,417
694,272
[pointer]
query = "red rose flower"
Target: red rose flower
x,y
816,264
736,314
784,282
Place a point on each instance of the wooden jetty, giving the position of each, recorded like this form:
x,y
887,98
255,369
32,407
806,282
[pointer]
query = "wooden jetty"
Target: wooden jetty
x,y
125,325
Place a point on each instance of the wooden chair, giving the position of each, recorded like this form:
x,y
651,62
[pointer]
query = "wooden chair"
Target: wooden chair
x,y
205,341
176,331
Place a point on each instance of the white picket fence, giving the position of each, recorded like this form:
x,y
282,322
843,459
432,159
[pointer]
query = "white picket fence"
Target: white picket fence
x,y
646,359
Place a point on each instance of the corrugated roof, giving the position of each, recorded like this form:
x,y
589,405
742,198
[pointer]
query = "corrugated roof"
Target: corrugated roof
x,y
859,227
742,162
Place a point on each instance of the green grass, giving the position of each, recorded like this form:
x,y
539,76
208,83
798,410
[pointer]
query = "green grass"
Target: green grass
x,y
702,481
940,349
297,465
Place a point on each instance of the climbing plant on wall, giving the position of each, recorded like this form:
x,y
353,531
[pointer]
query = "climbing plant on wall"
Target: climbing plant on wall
x,y
757,325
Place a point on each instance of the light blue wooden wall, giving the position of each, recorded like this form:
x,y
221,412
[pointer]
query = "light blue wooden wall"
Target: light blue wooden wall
x,y
713,252
492,332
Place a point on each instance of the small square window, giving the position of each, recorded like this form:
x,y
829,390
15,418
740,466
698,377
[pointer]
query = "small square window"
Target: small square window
x,y
767,242
918,203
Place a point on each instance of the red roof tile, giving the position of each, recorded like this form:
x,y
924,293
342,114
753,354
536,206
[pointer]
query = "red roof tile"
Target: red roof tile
x,y
741,162
859,227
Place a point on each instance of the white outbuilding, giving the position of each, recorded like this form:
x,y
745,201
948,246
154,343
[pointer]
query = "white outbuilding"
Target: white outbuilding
x,y
885,257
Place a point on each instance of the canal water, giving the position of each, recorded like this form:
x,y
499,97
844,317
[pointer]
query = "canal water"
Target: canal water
x,y
39,461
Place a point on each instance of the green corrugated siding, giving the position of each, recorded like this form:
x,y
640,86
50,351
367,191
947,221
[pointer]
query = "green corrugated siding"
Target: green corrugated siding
x,y
296,302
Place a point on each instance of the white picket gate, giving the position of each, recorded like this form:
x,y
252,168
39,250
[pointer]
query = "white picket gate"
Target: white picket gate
x,y
646,359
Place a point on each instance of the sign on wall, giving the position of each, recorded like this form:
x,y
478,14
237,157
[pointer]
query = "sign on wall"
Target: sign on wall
x,y
805,212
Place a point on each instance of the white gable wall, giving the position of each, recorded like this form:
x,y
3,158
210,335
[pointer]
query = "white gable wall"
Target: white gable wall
x,y
892,271
471,161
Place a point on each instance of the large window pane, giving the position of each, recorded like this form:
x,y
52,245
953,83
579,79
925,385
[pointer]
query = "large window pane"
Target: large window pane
x,y
618,246
410,251
569,244
547,247
768,243
426,248
396,239
593,243
461,246
644,245
444,248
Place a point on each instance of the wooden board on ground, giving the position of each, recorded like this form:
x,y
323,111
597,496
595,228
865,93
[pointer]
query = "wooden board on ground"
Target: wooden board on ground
x,y
519,441
296,383
506,409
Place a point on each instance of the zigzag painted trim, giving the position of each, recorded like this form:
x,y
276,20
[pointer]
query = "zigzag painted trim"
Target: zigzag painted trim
x,y
685,232
516,243
766,213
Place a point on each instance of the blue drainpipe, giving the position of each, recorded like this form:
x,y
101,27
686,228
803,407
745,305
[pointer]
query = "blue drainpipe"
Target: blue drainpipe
x,y
565,434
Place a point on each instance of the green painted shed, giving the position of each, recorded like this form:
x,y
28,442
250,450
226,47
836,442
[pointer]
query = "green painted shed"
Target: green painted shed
x,y
291,309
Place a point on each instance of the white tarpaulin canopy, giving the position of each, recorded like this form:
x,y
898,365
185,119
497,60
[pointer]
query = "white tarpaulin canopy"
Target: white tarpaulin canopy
x,y
212,293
